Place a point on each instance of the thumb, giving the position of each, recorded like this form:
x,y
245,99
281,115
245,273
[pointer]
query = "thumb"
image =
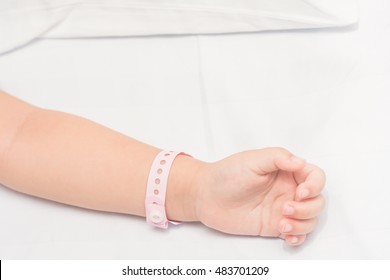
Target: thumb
x,y
272,159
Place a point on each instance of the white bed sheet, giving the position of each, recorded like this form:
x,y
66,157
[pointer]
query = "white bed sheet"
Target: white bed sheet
x,y
325,95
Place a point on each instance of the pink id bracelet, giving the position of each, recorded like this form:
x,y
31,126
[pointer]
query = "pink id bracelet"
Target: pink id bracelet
x,y
157,187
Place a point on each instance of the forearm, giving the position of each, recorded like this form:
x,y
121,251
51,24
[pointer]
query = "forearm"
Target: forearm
x,y
72,160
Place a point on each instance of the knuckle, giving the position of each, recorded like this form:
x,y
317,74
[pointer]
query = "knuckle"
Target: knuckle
x,y
283,151
322,174
279,151
306,212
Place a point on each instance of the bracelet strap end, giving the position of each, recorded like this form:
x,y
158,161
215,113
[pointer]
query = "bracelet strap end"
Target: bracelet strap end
x,y
156,215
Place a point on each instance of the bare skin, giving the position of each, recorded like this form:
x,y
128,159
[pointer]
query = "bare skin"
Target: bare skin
x,y
68,159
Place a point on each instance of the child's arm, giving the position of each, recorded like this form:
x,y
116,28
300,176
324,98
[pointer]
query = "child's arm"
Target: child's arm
x,y
72,160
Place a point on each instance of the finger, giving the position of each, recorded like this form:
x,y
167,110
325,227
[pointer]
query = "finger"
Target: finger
x,y
303,210
311,180
295,240
297,227
291,163
273,159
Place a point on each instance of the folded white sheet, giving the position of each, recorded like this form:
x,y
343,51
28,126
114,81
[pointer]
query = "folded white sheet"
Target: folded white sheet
x,y
22,21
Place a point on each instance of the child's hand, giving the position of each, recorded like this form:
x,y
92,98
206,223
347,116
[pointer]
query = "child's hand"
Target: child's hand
x,y
265,192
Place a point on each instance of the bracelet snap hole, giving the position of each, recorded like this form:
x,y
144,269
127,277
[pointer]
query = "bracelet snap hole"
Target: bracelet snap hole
x,y
159,171
156,192
157,181
162,162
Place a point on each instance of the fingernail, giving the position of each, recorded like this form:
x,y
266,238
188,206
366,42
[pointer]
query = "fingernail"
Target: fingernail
x,y
303,193
287,228
294,240
288,210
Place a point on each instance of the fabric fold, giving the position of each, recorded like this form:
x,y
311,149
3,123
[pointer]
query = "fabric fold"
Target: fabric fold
x,y
24,21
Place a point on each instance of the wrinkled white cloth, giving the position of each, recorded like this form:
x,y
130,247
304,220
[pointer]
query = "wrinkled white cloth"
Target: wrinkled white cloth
x,y
324,95
21,21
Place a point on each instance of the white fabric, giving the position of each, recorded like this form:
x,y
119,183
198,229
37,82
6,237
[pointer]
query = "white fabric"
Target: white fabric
x,y
322,94
21,21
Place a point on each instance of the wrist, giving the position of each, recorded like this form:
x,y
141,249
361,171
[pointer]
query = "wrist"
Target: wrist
x,y
183,189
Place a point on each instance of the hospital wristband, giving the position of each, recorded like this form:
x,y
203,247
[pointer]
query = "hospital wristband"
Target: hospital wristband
x,y
157,187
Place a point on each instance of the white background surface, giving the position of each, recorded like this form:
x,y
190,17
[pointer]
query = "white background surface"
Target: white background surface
x,y
325,95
